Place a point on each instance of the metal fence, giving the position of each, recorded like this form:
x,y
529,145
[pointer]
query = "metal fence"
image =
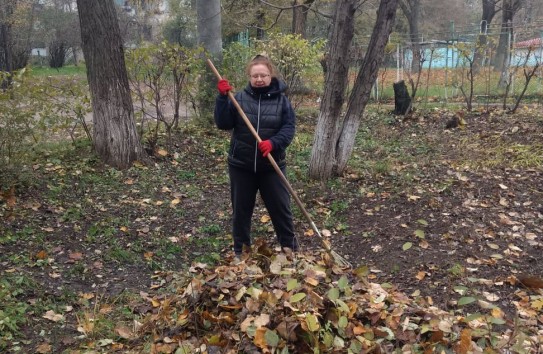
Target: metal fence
x,y
460,69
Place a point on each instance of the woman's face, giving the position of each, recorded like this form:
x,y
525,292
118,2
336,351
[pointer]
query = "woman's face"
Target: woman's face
x,y
260,75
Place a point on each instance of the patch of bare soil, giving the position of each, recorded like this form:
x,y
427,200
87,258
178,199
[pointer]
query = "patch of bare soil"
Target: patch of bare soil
x,y
469,223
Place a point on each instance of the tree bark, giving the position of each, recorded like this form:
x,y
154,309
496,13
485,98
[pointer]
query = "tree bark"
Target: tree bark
x,y
489,11
115,137
323,154
412,11
299,16
6,43
210,37
386,15
209,26
501,60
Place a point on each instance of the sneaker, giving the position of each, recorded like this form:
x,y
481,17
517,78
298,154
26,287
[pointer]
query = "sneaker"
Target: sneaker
x,y
236,260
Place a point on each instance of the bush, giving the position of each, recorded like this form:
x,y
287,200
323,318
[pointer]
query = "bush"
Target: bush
x,y
297,60
35,111
162,76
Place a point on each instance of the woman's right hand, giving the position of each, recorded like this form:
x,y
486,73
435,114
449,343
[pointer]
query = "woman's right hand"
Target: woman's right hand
x,y
224,87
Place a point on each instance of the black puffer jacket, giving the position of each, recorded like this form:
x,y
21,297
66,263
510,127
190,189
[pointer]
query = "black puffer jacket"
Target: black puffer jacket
x,y
271,115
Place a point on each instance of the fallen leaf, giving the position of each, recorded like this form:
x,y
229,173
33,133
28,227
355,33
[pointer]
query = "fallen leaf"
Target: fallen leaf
x,y
124,332
311,281
424,244
464,346
52,316
41,255
75,256
312,322
490,296
260,338
44,348
532,282
465,300
537,304
297,297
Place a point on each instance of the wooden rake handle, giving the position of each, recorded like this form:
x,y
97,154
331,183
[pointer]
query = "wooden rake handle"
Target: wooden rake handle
x,y
271,159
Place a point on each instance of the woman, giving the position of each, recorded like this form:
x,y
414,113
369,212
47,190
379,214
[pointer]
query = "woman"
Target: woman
x,y
271,114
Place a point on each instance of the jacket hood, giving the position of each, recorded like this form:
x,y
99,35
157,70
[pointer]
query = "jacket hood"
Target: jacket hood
x,y
276,87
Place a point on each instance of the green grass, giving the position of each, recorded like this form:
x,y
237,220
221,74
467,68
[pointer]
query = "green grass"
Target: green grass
x,y
79,70
13,307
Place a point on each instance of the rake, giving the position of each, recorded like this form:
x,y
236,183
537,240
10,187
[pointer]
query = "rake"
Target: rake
x,y
339,260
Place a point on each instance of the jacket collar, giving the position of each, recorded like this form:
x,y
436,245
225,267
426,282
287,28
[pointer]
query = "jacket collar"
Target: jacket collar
x,y
275,88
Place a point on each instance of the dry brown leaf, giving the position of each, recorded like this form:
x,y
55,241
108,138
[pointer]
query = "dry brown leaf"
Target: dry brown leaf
x,y
262,320
358,330
106,308
424,244
287,331
52,316
41,255
326,233
532,282
44,348
75,256
260,338
124,332
9,197
464,345
86,296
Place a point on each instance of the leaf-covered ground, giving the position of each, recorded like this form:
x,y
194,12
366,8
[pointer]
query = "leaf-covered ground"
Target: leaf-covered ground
x,y
443,228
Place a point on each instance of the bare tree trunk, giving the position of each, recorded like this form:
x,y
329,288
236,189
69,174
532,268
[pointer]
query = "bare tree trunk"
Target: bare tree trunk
x,y
412,11
337,69
6,44
115,137
365,80
6,59
501,60
299,16
489,10
260,23
209,26
210,37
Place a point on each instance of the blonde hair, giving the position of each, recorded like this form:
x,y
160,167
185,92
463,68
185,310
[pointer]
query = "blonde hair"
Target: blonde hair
x,y
262,59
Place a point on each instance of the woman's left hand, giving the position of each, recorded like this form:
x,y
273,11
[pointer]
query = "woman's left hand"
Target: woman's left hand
x,y
265,147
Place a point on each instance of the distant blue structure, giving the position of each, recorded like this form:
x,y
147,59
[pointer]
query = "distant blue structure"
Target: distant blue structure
x,y
448,56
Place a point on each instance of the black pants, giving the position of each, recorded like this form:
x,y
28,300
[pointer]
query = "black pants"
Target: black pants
x,y
243,187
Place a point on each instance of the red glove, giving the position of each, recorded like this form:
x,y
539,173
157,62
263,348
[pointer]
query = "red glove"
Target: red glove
x,y
265,147
224,86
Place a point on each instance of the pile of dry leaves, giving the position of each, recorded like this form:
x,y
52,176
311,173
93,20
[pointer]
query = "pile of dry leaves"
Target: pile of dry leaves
x,y
274,302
